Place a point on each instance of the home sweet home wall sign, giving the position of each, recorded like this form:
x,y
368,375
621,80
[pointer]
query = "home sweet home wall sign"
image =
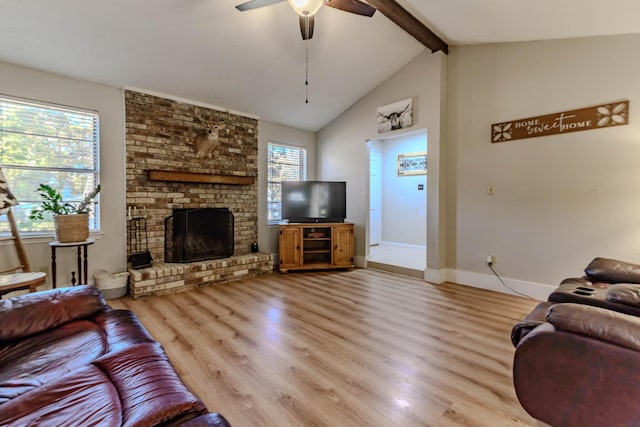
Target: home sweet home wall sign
x,y
596,117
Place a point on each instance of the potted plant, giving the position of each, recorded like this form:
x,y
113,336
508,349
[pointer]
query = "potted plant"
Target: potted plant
x,y
71,219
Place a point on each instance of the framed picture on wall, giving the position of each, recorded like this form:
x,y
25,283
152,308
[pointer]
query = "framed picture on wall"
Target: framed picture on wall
x,y
412,164
398,115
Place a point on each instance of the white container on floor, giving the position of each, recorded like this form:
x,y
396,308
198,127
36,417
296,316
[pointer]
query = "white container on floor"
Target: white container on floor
x,y
112,285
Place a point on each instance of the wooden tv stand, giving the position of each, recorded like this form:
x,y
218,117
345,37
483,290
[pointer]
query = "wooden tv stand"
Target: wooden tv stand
x,y
315,246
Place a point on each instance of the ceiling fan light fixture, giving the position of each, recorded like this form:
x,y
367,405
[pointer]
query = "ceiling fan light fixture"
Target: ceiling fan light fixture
x,y
306,7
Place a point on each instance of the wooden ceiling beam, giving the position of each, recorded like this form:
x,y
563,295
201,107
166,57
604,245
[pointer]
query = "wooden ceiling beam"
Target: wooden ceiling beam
x,y
405,20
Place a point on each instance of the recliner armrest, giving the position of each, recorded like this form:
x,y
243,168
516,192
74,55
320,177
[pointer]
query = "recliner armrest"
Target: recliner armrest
x,y
599,323
536,318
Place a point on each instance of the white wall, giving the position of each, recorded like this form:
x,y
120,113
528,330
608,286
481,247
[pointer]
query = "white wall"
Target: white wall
x,y
404,207
560,200
271,132
343,154
109,251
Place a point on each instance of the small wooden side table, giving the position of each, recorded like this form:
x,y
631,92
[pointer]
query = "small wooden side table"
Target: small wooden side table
x,y
80,246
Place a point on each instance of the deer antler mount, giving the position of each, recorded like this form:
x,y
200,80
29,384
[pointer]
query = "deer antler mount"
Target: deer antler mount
x,y
206,142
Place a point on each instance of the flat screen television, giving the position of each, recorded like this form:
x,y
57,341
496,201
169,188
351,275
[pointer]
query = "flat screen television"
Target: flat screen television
x,y
314,201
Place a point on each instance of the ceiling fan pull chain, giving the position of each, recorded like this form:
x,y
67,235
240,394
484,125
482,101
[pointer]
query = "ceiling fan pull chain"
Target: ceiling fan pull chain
x,y
306,75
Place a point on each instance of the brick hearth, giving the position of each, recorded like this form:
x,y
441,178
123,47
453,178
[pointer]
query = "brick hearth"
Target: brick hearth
x,y
160,134
169,278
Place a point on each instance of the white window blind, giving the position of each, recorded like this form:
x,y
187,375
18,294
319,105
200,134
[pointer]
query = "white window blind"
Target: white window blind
x,y
48,144
285,163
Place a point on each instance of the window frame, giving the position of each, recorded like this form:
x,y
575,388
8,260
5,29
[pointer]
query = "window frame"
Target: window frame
x,y
302,174
93,117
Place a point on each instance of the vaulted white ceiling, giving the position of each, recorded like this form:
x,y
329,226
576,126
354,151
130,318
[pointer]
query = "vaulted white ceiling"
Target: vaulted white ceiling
x,y
254,61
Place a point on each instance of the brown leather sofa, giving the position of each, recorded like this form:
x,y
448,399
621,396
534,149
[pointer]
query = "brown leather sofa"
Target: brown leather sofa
x,y
68,359
577,358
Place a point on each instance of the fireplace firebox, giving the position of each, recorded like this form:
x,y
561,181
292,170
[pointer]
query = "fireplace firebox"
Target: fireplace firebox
x,y
198,234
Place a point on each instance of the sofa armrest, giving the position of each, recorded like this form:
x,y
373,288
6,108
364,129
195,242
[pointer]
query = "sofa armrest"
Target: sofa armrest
x,y
36,312
599,323
612,271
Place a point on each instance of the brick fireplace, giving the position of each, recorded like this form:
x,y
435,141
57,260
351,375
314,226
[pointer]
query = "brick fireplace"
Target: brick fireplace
x,y
164,173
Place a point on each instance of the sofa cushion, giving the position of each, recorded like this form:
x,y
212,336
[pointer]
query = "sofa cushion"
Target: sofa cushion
x,y
85,397
612,271
624,293
23,316
150,389
45,357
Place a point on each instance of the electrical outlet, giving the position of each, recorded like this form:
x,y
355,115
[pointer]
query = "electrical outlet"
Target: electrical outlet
x,y
491,260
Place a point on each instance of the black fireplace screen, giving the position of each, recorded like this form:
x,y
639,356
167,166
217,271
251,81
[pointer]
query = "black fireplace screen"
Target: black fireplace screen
x,y
198,234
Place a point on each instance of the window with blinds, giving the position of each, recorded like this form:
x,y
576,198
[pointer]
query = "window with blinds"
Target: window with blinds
x,y
48,144
285,163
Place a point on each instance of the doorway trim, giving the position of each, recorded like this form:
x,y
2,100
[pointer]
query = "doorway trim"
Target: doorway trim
x,y
375,199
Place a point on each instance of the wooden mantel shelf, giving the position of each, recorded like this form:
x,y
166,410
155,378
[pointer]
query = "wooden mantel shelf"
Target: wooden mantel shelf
x,y
169,176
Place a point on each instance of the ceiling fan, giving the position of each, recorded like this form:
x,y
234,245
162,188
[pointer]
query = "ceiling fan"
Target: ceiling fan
x,y
308,8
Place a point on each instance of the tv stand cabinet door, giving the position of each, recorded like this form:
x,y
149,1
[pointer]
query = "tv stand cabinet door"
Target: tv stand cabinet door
x,y
343,245
290,254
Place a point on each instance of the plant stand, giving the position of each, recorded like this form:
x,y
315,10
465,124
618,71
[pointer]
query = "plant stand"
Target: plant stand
x,y
80,245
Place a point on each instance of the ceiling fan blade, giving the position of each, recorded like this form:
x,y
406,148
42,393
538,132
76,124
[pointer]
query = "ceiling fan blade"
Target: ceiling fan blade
x,y
353,6
255,4
306,27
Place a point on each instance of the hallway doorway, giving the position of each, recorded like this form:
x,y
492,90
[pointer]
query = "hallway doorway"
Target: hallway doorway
x,y
398,207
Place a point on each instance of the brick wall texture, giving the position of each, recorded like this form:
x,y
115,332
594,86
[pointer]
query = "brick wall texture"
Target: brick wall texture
x,y
159,136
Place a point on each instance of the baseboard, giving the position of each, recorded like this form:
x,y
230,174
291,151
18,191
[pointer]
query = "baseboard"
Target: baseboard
x,y
538,291
435,276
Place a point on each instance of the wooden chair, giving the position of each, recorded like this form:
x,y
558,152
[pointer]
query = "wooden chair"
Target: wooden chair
x,y
19,277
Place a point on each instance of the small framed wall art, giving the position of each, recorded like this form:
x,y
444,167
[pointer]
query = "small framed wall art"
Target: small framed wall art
x,y
398,115
412,164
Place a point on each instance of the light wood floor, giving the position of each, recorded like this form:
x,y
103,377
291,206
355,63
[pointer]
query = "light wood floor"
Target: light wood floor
x,y
355,348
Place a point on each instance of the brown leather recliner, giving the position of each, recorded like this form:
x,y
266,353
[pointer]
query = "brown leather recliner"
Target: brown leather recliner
x,y
577,358
67,358
581,368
